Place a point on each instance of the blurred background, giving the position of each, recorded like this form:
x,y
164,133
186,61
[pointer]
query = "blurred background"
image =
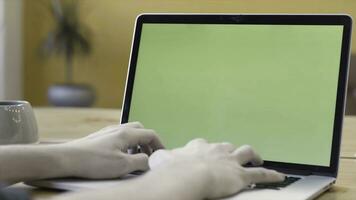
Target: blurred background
x,y
51,49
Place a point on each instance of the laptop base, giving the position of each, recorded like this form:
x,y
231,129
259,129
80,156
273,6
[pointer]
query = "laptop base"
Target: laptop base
x,y
308,187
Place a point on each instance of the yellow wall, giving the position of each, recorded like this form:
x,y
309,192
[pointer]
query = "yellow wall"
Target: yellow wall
x,y
111,23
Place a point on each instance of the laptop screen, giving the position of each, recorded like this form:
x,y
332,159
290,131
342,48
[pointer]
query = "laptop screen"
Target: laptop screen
x,y
271,86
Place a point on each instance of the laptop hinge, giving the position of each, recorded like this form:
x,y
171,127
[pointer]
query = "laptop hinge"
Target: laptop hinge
x,y
323,174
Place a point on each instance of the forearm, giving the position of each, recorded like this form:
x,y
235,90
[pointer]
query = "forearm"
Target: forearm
x,y
23,163
171,182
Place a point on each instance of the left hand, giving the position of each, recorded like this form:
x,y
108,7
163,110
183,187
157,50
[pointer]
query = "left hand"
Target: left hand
x,y
103,154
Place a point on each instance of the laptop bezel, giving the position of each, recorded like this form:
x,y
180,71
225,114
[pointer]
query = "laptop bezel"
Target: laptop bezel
x,y
278,19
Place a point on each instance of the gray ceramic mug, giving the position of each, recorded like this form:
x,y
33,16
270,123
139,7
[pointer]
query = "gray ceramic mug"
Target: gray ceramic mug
x,y
17,123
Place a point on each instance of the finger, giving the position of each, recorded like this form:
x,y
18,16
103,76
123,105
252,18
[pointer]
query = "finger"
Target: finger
x,y
137,162
197,141
133,137
146,149
225,146
262,175
246,154
133,125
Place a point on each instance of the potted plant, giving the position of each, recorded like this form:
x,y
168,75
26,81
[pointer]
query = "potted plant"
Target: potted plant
x,y
68,39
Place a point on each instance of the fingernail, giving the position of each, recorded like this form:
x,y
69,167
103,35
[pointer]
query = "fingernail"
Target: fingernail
x,y
283,176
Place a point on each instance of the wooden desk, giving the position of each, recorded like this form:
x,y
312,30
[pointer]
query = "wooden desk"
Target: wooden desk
x,y
348,146
70,123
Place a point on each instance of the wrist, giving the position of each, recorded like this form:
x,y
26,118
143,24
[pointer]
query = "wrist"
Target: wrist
x,y
62,159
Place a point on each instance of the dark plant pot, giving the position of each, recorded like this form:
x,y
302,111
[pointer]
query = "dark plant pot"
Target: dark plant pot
x,y
71,95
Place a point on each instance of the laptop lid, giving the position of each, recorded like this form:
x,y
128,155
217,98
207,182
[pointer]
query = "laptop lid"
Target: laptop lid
x,y
276,82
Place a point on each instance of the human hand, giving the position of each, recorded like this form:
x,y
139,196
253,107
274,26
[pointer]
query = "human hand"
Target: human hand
x,y
103,154
223,174
196,171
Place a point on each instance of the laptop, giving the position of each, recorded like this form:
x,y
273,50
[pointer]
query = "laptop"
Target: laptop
x,y
275,82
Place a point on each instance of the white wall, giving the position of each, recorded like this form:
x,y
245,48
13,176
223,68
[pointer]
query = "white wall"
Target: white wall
x,y
11,49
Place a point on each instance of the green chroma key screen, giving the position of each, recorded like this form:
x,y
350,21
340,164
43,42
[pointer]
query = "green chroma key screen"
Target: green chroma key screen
x,y
271,86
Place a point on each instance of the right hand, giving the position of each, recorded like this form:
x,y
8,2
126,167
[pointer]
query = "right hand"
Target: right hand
x,y
223,166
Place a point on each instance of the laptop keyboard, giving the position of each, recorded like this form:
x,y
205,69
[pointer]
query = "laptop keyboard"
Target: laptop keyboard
x,y
287,181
